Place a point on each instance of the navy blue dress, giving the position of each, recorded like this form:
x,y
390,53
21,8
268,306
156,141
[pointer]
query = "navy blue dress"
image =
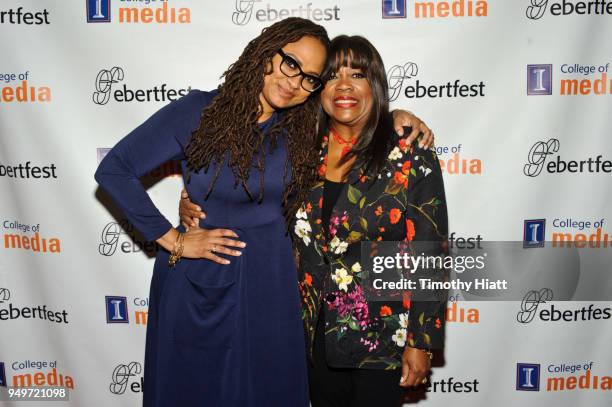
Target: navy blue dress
x,y
217,335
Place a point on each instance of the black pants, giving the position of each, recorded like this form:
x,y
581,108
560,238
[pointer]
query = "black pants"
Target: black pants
x,y
337,387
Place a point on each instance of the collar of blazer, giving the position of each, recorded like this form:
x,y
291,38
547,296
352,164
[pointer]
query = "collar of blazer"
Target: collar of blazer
x,y
350,201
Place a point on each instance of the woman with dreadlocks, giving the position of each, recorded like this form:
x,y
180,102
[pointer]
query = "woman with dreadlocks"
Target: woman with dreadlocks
x,y
220,332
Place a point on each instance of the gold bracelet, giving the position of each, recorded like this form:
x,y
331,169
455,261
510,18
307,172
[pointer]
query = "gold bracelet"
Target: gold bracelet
x,y
426,352
177,250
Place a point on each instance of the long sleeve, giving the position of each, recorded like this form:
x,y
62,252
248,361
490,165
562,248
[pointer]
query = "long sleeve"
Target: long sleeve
x,y
427,217
160,138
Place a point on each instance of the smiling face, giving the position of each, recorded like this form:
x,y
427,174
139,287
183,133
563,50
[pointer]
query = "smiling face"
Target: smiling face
x,y
347,97
281,91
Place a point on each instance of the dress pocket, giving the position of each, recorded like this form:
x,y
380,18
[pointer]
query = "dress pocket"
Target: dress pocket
x,y
207,312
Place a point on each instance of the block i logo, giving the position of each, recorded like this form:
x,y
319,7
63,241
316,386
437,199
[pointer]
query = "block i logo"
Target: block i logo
x,y
116,310
539,79
98,11
528,377
534,233
2,375
393,8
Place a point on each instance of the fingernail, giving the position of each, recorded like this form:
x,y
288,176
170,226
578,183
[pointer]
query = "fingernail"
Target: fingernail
x,y
226,262
237,253
242,244
202,216
199,209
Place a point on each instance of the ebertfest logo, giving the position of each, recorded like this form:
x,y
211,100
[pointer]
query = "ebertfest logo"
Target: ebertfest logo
x,y
539,152
29,312
244,12
537,8
398,74
121,378
5,295
106,78
530,308
111,237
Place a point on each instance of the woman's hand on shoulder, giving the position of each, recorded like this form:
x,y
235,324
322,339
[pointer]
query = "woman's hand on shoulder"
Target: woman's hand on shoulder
x,y
404,118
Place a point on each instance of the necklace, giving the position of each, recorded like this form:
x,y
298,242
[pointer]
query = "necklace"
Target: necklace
x,y
347,143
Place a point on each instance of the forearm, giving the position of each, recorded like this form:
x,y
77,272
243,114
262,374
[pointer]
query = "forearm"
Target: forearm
x,y
168,239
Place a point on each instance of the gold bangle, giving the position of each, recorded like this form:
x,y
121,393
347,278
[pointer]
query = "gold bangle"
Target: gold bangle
x,y
177,250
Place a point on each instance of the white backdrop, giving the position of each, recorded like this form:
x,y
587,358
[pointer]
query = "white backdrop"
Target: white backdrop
x,y
60,247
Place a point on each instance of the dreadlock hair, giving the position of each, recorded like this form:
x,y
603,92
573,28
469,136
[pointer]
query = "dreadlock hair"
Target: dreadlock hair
x,y
229,123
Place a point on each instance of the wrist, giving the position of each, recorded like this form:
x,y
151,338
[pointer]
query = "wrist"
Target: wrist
x,y
177,250
425,351
168,239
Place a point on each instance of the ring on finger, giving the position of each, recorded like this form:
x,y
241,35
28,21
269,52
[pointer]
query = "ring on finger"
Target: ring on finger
x,y
424,380
214,248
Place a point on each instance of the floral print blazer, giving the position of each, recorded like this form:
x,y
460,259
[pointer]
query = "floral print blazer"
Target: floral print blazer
x,y
403,202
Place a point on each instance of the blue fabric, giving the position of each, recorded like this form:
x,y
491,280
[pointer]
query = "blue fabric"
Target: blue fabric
x,y
216,335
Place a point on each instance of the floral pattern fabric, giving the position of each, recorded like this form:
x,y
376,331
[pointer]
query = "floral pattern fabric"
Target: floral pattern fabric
x,y
403,202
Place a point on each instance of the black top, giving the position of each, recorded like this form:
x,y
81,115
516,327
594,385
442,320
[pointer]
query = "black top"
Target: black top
x,y
331,192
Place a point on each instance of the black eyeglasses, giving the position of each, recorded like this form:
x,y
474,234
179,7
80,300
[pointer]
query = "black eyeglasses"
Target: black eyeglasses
x,y
290,68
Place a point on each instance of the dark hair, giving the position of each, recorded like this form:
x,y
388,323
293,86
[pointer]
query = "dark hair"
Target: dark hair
x,y
229,123
359,53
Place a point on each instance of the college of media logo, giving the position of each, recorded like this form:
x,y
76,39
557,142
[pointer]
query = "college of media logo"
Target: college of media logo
x,y
245,9
560,377
453,162
574,233
537,8
541,150
568,232
18,235
106,78
539,79
18,16
398,75
2,375
575,79
115,233
535,304
122,376
117,310
435,9
18,88
143,12
534,233
37,373
528,376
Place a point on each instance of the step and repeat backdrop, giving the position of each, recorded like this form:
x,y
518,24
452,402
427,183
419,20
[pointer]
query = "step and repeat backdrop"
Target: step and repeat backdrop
x,y
518,93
